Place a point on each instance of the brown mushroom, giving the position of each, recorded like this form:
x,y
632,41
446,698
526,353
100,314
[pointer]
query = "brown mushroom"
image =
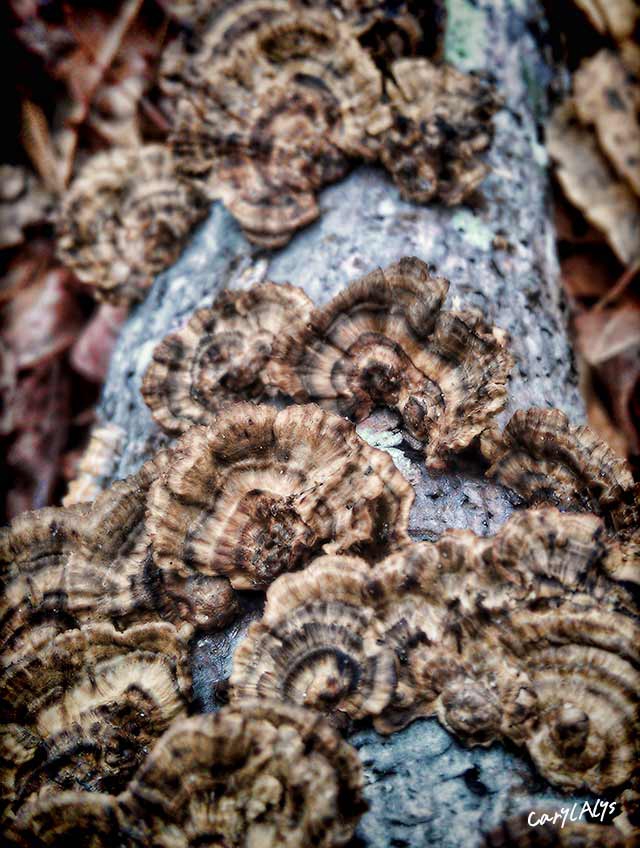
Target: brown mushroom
x,y
314,645
385,341
34,552
523,637
257,773
97,698
78,819
262,491
441,125
387,32
220,355
542,457
278,99
582,663
105,445
125,219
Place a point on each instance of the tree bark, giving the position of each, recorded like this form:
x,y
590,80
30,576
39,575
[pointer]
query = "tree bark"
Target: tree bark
x,y
423,787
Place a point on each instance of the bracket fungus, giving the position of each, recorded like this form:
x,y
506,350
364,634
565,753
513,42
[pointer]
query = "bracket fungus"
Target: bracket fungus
x,y
523,637
77,819
385,341
262,491
281,98
543,458
441,125
125,218
315,645
259,773
220,355
95,698
278,102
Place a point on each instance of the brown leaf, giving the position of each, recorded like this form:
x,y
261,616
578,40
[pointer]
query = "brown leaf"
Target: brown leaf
x,y
38,144
91,352
590,184
608,97
42,320
41,425
616,17
588,274
8,373
604,334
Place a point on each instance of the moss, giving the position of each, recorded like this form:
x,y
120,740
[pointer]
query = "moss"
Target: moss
x,y
473,230
465,41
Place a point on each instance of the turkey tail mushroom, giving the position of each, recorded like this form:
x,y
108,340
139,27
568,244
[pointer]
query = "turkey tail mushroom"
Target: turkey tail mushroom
x,y
385,341
441,125
278,101
542,457
94,699
125,218
220,355
262,491
69,820
256,773
314,645
524,637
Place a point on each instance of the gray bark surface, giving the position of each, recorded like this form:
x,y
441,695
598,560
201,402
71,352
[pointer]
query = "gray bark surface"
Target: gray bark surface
x,y
423,787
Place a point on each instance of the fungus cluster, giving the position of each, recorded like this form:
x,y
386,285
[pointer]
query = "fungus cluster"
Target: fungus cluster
x,y
281,97
100,600
263,491
522,637
528,637
125,218
384,341
543,458
260,773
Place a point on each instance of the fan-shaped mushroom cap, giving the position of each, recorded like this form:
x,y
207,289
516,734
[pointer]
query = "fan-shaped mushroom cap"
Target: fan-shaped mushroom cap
x,y
524,636
543,458
442,123
95,464
112,574
69,820
258,773
125,219
97,697
314,645
220,355
384,341
622,559
582,664
34,552
277,102
262,490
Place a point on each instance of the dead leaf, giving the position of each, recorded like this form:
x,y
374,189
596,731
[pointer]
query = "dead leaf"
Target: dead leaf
x,y
616,17
41,419
39,146
8,373
590,184
607,96
588,274
91,352
43,319
604,334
